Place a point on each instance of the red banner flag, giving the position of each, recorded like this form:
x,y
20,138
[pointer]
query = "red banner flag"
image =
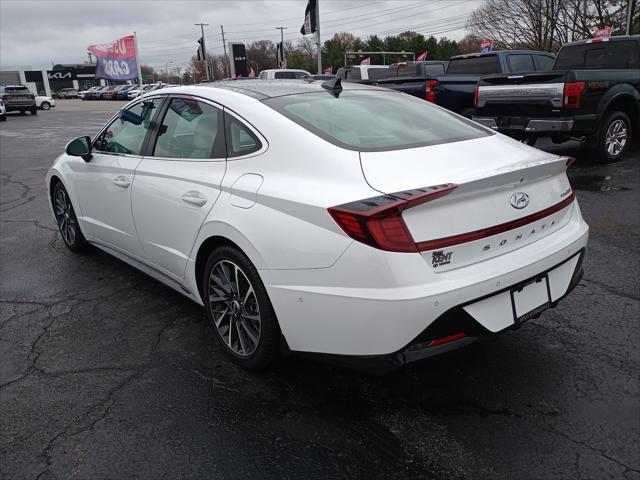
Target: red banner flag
x,y
422,56
116,60
366,61
328,70
603,32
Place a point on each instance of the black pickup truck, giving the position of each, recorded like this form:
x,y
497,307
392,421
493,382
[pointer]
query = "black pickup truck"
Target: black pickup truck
x,y
453,88
591,95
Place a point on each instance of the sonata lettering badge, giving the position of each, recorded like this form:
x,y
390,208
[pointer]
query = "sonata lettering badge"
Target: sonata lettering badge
x,y
519,200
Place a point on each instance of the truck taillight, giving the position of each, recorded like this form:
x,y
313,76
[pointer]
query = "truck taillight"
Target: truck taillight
x,y
475,97
572,94
378,222
429,91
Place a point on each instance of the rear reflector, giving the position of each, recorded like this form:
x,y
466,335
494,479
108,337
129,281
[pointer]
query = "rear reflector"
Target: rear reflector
x,y
570,161
573,94
475,96
495,230
443,340
377,221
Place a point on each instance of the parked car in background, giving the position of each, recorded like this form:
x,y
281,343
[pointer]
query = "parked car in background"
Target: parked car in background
x,y
414,78
106,93
592,94
142,89
348,249
322,76
362,73
113,93
18,98
94,92
45,103
83,93
282,74
123,94
454,90
3,112
67,93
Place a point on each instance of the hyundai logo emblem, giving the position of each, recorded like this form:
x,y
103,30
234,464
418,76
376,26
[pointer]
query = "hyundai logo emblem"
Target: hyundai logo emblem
x,y
519,200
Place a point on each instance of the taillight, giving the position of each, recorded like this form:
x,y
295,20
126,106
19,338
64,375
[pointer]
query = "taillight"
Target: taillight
x,y
570,161
378,222
572,94
429,92
475,96
5,97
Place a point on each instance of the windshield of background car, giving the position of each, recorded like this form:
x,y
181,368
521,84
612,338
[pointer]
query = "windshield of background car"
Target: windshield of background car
x,y
481,65
600,55
375,120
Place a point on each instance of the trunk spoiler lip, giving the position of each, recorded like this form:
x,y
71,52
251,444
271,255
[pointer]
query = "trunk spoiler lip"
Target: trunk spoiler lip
x,y
460,238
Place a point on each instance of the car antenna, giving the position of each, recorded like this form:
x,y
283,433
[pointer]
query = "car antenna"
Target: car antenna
x,y
334,86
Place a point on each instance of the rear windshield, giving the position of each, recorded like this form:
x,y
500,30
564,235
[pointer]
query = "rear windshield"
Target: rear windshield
x,y
601,55
375,120
376,73
288,75
484,65
17,89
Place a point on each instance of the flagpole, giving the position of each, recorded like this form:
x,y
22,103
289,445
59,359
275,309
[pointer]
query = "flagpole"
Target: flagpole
x,y
318,33
135,44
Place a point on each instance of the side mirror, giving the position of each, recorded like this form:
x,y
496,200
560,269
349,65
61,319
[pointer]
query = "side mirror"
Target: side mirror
x,y
80,147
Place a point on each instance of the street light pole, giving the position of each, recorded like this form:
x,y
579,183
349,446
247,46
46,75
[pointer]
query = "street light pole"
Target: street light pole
x,y
282,29
204,48
629,5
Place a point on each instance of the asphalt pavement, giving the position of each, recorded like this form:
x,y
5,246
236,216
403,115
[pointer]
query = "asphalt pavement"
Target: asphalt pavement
x,y
105,373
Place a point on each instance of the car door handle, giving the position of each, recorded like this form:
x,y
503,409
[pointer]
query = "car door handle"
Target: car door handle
x,y
194,198
122,181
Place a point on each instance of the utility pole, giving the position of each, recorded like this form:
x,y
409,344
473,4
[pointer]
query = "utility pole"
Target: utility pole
x,y
318,33
629,5
90,58
204,48
226,59
282,29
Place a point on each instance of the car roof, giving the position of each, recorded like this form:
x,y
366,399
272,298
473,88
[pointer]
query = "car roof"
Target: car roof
x,y
279,88
283,70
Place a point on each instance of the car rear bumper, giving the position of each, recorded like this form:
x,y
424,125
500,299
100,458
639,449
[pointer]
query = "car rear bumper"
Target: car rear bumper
x,y
372,303
527,125
19,106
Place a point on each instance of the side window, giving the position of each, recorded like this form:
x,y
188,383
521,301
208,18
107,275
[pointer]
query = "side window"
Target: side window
x,y
435,69
240,140
190,129
520,63
544,63
126,137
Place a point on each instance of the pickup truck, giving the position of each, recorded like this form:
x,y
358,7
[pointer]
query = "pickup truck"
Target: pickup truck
x,y
592,94
454,89
368,74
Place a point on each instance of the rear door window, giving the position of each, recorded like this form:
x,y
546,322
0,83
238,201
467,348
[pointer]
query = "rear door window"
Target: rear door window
x,y
600,55
190,129
481,65
544,63
520,63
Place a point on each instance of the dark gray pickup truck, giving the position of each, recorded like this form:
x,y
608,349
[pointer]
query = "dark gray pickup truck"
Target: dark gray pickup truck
x,y
454,87
591,95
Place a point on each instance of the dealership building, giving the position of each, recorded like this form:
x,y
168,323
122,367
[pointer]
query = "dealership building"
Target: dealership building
x,y
46,82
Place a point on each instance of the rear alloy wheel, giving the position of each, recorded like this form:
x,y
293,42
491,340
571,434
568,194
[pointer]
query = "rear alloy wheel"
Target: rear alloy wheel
x,y
45,105
614,136
67,221
34,111
239,308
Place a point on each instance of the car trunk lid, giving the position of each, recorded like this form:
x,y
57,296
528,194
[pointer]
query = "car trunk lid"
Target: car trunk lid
x,y
507,196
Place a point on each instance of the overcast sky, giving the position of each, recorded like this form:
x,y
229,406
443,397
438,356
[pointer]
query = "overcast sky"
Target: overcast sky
x,y
37,33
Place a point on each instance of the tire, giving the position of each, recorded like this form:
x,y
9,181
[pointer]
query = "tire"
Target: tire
x,y
66,218
45,105
22,112
3,118
614,137
240,310
34,111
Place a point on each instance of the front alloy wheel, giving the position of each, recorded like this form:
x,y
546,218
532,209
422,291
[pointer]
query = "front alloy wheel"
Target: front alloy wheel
x,y
239,308
67,221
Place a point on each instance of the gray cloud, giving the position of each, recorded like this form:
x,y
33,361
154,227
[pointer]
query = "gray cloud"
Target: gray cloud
x,y
37,33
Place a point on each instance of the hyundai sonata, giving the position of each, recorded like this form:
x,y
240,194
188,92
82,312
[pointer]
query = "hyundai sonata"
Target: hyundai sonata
x,y
316,217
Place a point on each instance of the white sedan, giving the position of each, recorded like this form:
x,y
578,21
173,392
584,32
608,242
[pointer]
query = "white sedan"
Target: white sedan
x,y
323,218
45,103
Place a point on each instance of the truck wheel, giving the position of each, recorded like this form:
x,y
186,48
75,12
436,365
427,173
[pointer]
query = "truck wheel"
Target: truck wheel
x,y
614,136
34,111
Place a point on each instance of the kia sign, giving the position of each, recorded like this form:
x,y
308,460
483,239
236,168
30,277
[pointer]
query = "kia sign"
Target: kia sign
x,y
238,60
116,60
486,46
